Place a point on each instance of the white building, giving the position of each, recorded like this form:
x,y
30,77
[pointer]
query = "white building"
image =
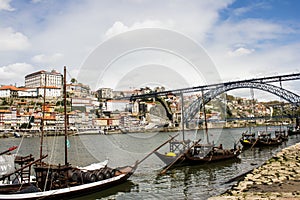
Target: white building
x,y
78,90
4,93
28,92
51,91
88,103
8,91
37,79
8,118
117,105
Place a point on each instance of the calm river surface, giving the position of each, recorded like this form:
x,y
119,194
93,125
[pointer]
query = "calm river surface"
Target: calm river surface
x,y
190,182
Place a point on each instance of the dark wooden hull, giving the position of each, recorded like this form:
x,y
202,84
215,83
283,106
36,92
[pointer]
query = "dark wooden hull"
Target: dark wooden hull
x,y
261,143
226,155
79,190
189,159
293,132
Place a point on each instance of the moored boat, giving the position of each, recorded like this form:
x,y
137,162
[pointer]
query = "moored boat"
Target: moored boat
x,y
282,134
263,139
186,152
199,154
294,130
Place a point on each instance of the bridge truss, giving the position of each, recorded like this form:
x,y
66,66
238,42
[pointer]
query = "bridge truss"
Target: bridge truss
x,y
212,91
197,104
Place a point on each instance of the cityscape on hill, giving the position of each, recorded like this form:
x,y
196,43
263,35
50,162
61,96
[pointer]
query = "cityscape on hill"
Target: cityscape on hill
x,y
104,111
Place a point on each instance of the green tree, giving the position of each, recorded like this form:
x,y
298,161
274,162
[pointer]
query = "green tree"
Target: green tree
x,y
73,80
4,102
25,125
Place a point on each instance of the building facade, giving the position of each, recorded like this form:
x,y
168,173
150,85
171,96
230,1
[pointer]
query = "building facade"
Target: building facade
x,y
78,90
51,91
105,93
37,79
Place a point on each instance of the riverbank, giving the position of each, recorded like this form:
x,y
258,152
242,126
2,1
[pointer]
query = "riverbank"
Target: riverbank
x,y
278,178
30,133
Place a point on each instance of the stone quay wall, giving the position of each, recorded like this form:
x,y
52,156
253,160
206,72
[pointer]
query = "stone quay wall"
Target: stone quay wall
x,y
278,178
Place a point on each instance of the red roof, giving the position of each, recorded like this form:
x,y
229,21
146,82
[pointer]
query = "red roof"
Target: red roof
x,y
9,87
49,87
5,111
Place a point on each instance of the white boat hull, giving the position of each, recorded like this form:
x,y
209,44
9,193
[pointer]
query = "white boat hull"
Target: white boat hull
x,y
67,192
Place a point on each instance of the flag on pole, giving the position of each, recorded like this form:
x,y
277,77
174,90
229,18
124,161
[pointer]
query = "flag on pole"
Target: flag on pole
x,y
68,143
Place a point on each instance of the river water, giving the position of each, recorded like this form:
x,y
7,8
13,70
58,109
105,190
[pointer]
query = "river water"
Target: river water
x,y
189,182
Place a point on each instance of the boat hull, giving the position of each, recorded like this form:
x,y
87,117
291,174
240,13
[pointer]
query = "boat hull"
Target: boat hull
x,y
69,192
169,159
293,132
229,155
189,159
261,143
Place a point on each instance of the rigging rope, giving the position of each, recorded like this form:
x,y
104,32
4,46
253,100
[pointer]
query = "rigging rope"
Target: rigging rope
x,y
21,142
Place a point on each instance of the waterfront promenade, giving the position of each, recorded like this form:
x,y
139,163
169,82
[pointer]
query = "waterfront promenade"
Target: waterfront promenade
x,y
278,178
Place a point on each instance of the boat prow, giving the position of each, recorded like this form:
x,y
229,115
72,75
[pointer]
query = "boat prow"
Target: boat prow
x,y
167,158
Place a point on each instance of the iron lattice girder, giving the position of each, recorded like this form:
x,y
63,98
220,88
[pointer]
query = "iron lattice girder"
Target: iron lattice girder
x,y
197,105
213,90
265,80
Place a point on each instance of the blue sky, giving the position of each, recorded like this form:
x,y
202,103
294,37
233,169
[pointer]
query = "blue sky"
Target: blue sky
x,y
244,38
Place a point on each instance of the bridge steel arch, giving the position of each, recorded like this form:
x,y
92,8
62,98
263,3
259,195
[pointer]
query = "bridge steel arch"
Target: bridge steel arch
x,y
197,105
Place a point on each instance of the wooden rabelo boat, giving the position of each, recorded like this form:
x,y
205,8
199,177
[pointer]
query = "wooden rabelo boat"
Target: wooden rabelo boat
x,y
282,134
186,152
263,139
196,154
62,180
294,129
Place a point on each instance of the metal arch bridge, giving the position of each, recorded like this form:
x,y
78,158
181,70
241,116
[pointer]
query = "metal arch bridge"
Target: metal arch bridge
x,y
197,104
213,90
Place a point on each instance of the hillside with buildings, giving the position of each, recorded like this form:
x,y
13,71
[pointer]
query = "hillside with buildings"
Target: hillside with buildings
x,y
23,108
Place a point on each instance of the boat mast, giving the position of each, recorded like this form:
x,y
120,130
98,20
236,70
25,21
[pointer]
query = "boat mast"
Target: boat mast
x,y
205,121
43,116
182,115
252,110
65,116
281,107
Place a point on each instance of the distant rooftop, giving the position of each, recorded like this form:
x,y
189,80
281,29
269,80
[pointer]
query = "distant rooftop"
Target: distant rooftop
x,y
54,72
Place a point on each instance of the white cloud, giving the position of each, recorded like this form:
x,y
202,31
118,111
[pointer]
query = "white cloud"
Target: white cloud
x,y
246,63
253,6
11,40
249,31
249,48
240,52
15,73
118,27
47,59
4,5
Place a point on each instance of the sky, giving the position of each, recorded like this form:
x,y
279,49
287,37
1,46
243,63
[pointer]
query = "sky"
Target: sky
x,y
132,43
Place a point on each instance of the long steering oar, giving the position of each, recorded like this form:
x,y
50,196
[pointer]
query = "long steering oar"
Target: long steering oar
x,y
8,150
254,143
139,162
179,157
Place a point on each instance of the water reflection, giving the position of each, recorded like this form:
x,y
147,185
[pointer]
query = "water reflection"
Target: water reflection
x,y
191,181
